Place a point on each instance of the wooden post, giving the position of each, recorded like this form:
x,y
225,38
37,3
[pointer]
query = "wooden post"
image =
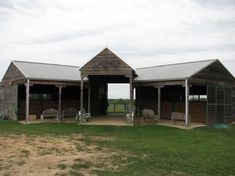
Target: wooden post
x,y
159,103
59,103
81,94
131,90
89,99
186,103
27,102
131,99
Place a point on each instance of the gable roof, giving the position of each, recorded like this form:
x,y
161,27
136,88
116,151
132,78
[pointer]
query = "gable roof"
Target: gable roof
x,y
179,71
46,71
106,59
56,72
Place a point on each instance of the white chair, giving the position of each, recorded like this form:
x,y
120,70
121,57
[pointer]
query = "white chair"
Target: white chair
x,y
83,117
149,115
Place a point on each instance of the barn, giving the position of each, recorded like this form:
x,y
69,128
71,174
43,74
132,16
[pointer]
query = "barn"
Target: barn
x,y
204,91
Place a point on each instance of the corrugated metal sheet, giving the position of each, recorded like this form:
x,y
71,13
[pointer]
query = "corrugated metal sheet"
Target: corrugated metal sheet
x,y
44,71
178,71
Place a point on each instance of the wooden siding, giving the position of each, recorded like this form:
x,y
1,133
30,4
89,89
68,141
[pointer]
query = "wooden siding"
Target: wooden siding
x,y
37,106
9,89
215,72
106,63
70,99
172,99
197,110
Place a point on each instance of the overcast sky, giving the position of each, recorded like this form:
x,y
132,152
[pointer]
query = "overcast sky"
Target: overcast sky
x,y
142,33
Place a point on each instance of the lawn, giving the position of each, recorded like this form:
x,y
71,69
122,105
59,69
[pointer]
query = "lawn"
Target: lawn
x,y
71,149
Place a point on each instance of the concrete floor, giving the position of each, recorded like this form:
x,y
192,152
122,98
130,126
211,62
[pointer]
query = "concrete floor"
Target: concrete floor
x,y
181,124
120,120
114,121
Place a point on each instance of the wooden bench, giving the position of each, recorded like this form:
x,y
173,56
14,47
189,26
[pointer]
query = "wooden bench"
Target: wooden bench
x,y
177,116
149,116
32,117
50,113
69,112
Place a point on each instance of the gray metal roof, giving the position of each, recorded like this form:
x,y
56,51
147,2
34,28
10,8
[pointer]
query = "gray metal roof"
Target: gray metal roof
x,y
45,71
55,72
178,71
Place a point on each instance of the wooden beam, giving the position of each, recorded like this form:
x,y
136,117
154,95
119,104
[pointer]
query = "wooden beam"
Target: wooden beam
x,y
18,81
55,83
158,83
211,82
126,73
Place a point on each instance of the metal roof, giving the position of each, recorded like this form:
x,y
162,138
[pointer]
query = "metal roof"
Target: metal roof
x,y
55,72
45,71
179,71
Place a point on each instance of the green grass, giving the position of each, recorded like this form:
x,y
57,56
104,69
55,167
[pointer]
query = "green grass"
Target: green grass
x,y
117,108
155,150
62,166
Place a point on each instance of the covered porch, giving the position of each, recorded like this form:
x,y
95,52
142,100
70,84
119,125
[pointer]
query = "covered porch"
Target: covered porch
x,y
120,120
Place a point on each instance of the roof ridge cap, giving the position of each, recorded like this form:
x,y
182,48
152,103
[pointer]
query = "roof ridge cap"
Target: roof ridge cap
x,y
44,63
179,63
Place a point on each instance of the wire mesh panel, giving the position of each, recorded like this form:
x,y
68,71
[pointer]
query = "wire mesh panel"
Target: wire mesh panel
x,y
211,94
233,103
228,96
228,113
220,114
227,104
219,104
211,114
220,95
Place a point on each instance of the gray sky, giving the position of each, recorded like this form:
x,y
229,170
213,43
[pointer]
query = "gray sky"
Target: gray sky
x,y
142,33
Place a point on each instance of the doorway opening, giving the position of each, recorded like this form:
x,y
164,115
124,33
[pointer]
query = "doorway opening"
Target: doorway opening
x,y
118,98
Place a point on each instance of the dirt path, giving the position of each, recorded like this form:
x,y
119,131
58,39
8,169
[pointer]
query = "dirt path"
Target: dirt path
x,y
49,155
